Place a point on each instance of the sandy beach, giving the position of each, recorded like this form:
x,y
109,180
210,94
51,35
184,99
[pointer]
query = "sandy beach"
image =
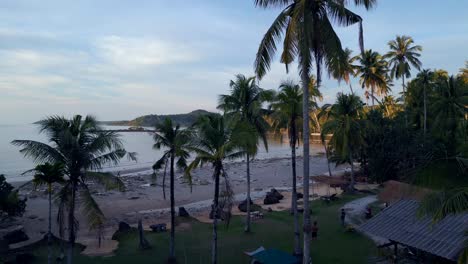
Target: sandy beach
x,y
144,200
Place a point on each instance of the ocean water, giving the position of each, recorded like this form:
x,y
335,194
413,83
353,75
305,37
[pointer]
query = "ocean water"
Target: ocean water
x,y
13,163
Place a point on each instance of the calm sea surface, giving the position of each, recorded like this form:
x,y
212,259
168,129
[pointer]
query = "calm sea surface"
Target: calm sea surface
x,y
12,163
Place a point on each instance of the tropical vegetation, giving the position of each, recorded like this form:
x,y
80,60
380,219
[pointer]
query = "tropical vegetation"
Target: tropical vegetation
x,y
82,147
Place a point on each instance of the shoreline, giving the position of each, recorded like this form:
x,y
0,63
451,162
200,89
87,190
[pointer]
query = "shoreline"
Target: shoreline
x,y
144,200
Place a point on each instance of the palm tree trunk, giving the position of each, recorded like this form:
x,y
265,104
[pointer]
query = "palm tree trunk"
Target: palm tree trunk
x,y
327,155
247,217
214,243
71,225
372,95
297,234
49,234
425,111
306,133
404,99
172,242
164,180
351,186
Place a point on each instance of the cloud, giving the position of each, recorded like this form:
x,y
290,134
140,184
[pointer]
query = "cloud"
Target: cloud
x,y
142,52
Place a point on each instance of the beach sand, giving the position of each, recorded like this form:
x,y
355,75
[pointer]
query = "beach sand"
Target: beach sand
x,y
144,200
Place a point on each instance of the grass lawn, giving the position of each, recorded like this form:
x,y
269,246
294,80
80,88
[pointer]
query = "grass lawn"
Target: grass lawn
x,y
274,231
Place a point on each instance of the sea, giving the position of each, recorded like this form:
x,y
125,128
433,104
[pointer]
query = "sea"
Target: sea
x,y
13,164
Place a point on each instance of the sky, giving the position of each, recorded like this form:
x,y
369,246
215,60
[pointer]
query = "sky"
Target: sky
x,y
119,59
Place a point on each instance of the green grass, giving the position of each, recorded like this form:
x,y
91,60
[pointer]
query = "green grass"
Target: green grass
x,y
275,231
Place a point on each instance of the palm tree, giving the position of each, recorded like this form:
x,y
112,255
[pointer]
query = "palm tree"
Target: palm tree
x,y
345,69
402,55
287,114
176,143
82,147
449,109
308,35
389,106
244,104
48,174
343,121
372,72
216,141
425,77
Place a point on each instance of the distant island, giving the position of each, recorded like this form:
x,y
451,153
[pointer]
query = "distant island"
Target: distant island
x,y
151,120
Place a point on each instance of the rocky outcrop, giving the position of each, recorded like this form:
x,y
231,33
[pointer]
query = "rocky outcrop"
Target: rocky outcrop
x,y
273,197
183,212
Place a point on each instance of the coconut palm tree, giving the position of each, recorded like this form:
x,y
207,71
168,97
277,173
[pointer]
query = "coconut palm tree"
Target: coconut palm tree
x,y
402,55
372,72
343,121
48,174
244,104
287,114
176,142
449,109
425,77
215,142
389,106
309,36
83,147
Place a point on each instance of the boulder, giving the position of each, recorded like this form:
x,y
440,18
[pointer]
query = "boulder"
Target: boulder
x,y
299,195
276,194
243,205
183,212
270,199
123,227
16,236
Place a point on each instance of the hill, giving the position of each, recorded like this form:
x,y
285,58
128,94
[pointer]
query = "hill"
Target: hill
x,y
152,120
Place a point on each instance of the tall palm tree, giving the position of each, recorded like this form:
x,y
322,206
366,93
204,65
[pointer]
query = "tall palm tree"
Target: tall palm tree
x,y
287,114
309,36
345,69
372,72
449,109
244,105
402,55
216,141
343,121
176,142
425,78
83,147
48,174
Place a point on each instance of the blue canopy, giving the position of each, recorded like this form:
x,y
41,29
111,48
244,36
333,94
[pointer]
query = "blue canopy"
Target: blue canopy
x,y
274,256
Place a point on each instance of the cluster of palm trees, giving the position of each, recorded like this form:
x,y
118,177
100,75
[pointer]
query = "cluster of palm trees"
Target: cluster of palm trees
x,y
77,149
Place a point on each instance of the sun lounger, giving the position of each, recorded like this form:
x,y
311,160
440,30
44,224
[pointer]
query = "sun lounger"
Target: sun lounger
x,y
256,215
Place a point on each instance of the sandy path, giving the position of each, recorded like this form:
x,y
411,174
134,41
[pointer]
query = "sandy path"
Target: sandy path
x,y
355,215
